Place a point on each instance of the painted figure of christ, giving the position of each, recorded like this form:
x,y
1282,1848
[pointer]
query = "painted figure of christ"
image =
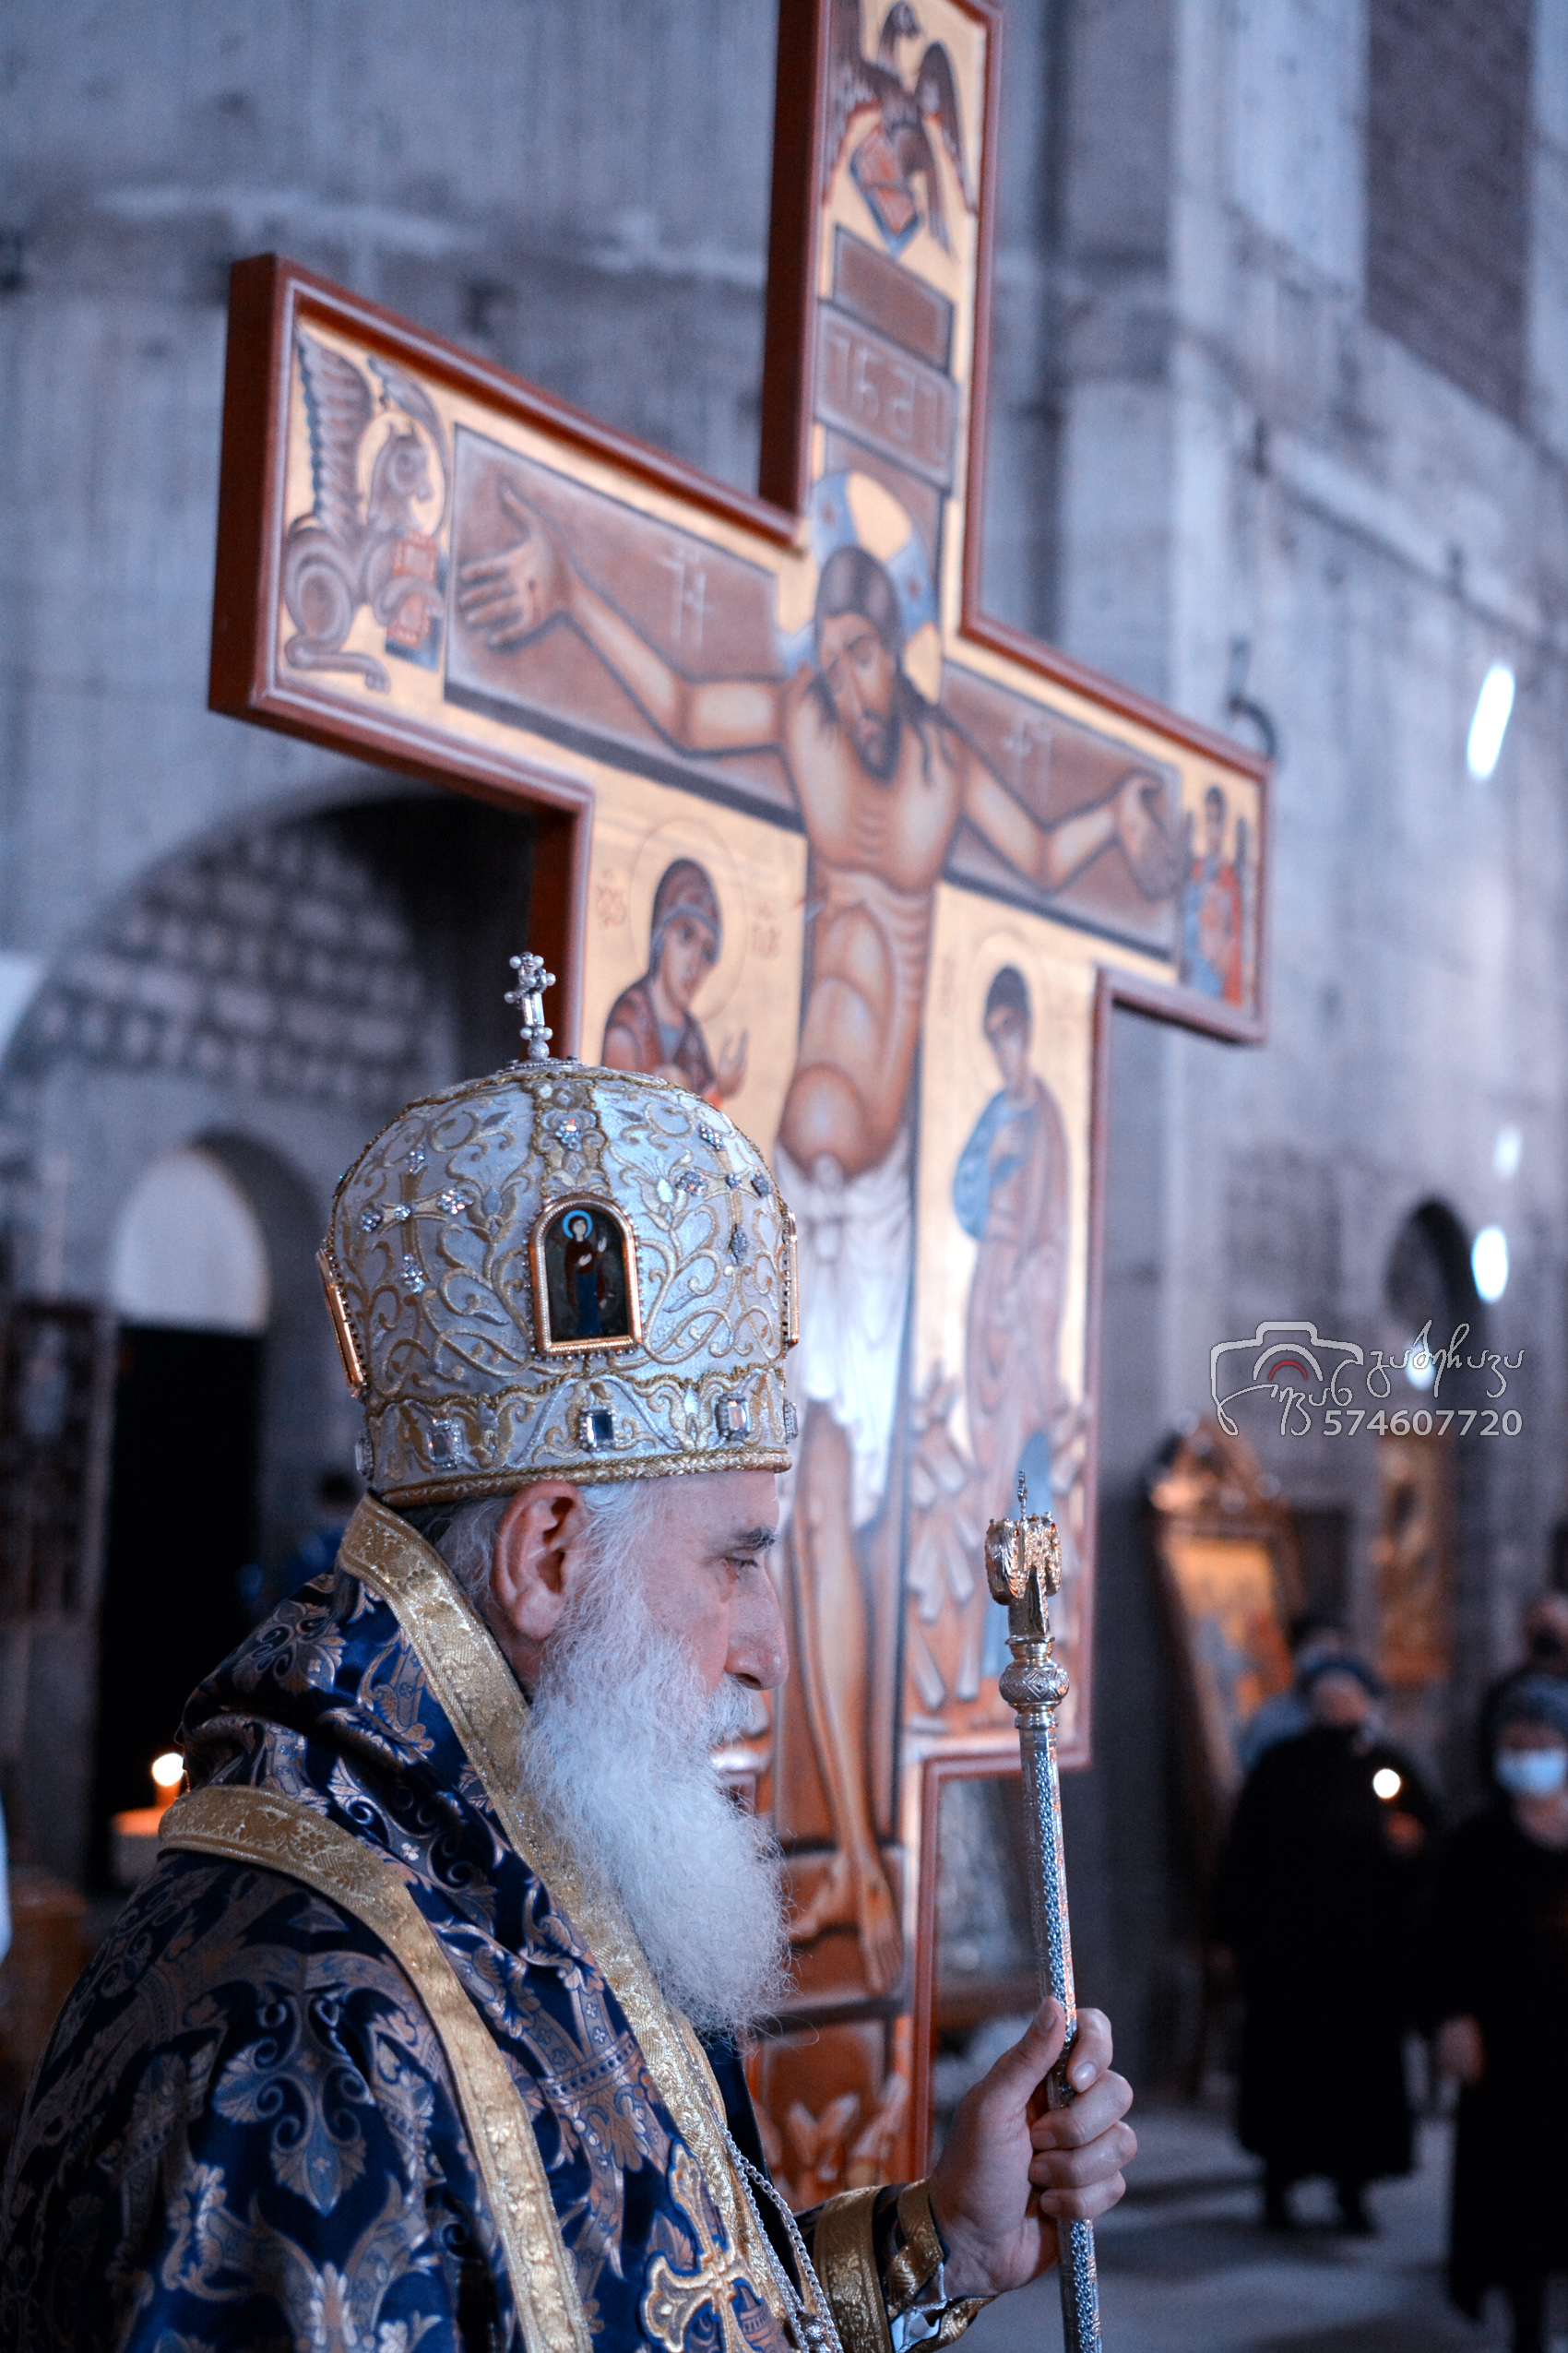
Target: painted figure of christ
x,y
882,778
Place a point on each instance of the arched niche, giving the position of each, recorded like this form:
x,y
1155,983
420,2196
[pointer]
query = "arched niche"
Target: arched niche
x,y
223,1426
190,1283
1428,1278
308,1422
189,1251
266,995
1430,1552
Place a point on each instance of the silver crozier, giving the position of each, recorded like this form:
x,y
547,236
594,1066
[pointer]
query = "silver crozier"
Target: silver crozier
x,y
1023,1566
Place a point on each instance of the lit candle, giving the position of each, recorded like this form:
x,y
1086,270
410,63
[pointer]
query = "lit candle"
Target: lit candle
x,y
168,1772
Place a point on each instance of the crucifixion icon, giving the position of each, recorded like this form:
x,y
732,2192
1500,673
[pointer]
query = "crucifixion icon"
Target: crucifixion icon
x,y
782,770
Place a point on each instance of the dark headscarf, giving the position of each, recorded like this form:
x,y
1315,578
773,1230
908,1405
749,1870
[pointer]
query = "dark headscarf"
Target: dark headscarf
x,y
1340,1662
686,888
1532,1699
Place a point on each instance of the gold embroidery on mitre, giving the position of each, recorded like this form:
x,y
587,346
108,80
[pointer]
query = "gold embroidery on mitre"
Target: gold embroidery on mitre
x,y
789,1281
343,1331
471,1373
278,1834
479,1696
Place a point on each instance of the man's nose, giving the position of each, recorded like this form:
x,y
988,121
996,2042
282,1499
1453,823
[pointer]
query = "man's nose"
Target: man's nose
x,y
759,1649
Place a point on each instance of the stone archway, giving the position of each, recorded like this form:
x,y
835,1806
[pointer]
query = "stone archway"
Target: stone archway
x,y
271,996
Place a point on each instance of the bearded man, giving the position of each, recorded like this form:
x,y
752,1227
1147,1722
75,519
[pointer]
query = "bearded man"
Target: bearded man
x,y
425,2031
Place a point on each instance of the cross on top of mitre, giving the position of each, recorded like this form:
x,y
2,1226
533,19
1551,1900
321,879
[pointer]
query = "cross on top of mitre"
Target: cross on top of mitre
x,y
528,999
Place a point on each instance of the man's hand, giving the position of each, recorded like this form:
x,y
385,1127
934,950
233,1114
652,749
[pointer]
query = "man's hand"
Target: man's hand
x,y
1151,851
1014,2168
507,596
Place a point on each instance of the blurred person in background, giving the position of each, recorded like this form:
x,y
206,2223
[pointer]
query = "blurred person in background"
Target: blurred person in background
x,y
1543,1643
1319,1897
1500,1952
337,1492
1314,1636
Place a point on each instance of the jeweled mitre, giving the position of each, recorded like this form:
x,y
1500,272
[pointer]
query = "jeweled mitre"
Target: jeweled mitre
x,y
562,1271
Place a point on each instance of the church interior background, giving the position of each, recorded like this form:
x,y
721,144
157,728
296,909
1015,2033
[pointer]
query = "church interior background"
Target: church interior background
x,y
1279,438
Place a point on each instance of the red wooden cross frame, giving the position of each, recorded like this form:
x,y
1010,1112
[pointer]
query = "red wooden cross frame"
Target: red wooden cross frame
x,y
815,834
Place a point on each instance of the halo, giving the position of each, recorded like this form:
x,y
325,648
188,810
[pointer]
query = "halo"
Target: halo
x,y
999,947
689,838
852,509
1194,808
579,1225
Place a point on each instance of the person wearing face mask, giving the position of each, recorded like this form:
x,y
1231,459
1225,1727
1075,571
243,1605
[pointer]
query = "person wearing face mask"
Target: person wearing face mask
x,y
1543,1639
1500,1993
1318,1897
1314,1636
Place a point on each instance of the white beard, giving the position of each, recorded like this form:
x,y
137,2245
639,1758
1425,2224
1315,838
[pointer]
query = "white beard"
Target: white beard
x,y
617,1754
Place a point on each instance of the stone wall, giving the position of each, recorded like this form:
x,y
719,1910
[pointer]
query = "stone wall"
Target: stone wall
x,y
1448,211
1220,450
1260,480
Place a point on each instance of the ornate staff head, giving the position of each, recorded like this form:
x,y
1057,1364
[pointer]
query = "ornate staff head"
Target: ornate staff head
x,y
1023,1567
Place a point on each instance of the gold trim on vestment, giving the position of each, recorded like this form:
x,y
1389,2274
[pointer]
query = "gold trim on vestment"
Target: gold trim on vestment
x,y
955,2318
844,2259
481,1697
922,2255
279,1834
916,2262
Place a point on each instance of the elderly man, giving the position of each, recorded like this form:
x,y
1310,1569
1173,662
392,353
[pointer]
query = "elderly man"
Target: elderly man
x,y
424,2032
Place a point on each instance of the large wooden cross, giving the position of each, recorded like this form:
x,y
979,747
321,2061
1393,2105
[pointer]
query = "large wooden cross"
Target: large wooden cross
x,y
816,836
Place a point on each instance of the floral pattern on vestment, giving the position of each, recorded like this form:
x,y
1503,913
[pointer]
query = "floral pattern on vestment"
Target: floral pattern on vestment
x,y
245,2132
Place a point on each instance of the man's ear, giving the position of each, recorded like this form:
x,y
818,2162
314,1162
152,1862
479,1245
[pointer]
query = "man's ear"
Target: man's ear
x,y
528,1578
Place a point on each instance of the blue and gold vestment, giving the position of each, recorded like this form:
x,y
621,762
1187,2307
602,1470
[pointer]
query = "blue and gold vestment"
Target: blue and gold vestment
x,y
289,2109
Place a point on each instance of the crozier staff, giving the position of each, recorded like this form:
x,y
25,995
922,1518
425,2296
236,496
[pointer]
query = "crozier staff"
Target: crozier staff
x,y
424,2031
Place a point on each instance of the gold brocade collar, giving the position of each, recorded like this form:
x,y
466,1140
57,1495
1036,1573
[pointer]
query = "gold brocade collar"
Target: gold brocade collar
x,y
482,1701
